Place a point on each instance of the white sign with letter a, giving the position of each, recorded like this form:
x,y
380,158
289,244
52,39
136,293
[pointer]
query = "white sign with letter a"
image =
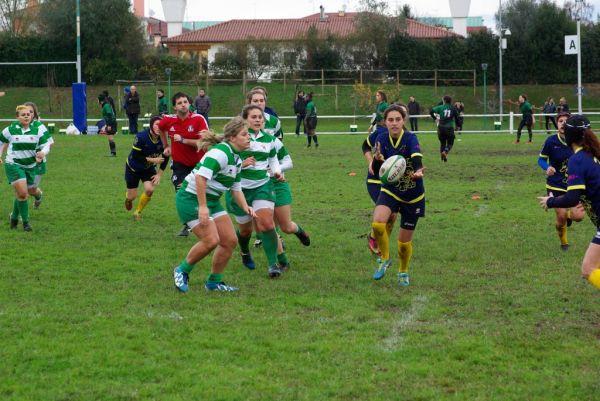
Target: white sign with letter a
x,y
571,44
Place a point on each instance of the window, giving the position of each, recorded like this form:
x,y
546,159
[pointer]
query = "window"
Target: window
x,y
289,59
220,57
264,58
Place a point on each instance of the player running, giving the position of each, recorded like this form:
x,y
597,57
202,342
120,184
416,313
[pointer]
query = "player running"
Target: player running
x,y
446,116
583,186
258,162
553,159
27,145
198,204
41,167
146,153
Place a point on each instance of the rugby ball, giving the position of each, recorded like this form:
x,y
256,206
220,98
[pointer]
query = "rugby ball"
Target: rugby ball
x,y
392,169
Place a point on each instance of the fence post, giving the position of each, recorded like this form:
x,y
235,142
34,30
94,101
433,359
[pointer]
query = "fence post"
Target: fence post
x,y
284,86
474,80
398,79
244,81
207,75
322,81
361,81
511,122
435,79
336,98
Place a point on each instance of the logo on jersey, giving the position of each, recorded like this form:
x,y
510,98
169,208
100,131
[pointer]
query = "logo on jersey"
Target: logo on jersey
x,y
172,129
190,128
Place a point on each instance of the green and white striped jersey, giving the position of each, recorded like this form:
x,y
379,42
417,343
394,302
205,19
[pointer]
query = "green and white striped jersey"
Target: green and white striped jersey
x,y
49,139
285,160
262,147
23,144
273,126
221,166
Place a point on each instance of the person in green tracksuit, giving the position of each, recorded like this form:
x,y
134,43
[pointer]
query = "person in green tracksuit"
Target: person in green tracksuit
x,y
110,129
311,120
380,107
446,116
163,105
527,119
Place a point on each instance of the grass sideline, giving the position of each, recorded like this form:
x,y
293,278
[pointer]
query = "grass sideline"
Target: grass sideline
x,y
494,311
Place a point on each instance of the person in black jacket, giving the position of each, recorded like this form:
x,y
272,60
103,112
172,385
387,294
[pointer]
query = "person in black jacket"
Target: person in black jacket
x,y
132,108
414,109
300,110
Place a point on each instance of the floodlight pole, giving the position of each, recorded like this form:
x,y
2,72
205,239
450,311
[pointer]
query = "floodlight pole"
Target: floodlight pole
x,y
78,23
500,59
579,88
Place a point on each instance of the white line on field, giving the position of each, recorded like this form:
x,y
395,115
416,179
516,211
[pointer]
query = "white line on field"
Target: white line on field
x,y
395,339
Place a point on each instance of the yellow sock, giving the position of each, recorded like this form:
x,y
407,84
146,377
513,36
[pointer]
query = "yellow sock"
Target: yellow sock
x,y
405,251
594,278
144,199
383,240
568,213
562,234
389,227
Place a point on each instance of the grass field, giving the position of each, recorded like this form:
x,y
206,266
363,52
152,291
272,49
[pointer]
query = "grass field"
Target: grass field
x,y
495,311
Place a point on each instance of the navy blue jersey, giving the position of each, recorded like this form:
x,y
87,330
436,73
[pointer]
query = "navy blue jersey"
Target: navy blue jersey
x,y
407,146
374,178
584,175
144,146
557,153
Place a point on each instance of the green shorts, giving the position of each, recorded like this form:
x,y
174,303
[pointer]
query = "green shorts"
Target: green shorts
x,y
187,208
258,198
14,172
283,193
40,168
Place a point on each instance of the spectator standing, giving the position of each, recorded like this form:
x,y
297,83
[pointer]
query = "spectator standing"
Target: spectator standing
x,y
132,108
563,107
414,109
549,108
163,104
311,120
300,110
460,108
202,104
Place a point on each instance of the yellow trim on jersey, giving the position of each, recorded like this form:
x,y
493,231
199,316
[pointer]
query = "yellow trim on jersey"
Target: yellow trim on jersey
x,y
416,154
369,142
372,181
544,156
556,189
390,193
570,187
578,149
561,140
395,145
136,148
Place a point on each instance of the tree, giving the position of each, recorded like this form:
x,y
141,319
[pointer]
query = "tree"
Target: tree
x,y
535,53
112,37
374,30
321,53
13,16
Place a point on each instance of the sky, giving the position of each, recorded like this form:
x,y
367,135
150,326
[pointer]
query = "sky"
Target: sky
x,y
207,10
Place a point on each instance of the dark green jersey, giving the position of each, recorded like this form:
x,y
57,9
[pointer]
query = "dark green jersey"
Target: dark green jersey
x,y
379,111
163,106
311,109
448,114
526,109
108,115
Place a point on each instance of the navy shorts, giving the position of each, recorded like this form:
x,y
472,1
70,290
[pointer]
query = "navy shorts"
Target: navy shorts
x,y
409,212
180,171
373,190
133,178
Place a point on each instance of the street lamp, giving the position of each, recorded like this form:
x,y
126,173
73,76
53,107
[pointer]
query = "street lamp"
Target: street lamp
x,y
168,74
501,46
484,67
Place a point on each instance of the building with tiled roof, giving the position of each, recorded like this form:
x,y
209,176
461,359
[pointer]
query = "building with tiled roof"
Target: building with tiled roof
x,y
208,42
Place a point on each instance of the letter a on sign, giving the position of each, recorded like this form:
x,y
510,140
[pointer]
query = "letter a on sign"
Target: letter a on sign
x,y
571,44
